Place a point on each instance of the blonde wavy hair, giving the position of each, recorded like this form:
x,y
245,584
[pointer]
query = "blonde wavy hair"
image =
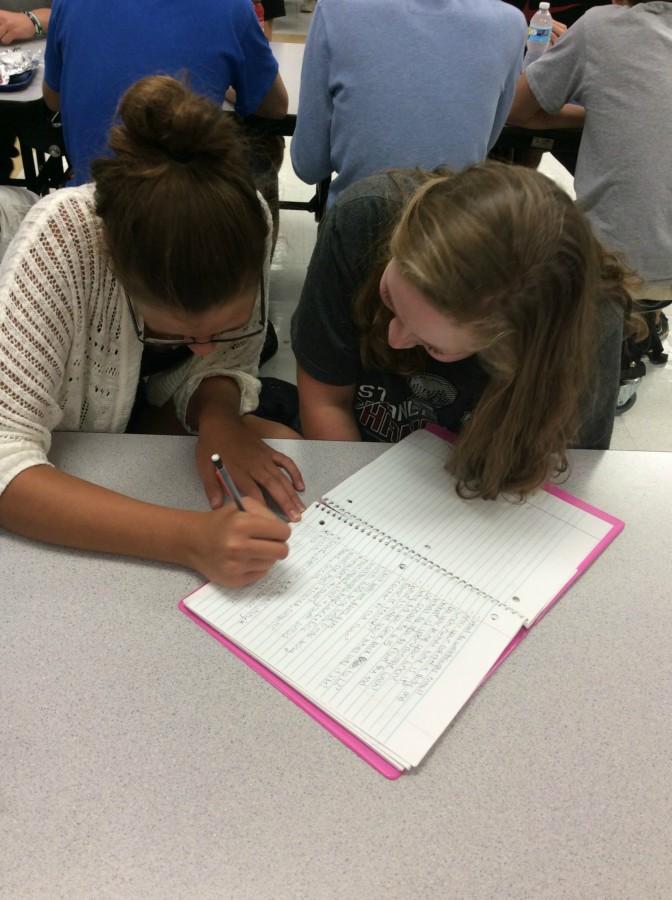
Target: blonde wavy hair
x,y
503,250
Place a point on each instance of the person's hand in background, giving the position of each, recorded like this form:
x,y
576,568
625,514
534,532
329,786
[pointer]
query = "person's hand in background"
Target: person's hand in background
x,y
17,26
559,28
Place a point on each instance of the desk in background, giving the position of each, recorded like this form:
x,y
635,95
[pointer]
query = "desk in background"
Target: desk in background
x,y
24,114
42,143
141,759
512,144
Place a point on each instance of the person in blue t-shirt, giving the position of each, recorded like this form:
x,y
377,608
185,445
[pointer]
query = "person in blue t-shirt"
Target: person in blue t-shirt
x,y
97,49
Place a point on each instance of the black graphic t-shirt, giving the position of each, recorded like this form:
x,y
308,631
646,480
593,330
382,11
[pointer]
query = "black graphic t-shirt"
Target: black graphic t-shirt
x,y
389,406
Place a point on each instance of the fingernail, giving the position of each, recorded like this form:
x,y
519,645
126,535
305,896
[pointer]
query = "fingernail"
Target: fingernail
x,y
215,502
295,515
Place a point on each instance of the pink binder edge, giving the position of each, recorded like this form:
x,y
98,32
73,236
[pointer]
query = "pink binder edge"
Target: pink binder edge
x,y
617,526
344,736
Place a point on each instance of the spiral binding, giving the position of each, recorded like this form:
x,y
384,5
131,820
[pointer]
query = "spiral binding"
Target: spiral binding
x,y
359,524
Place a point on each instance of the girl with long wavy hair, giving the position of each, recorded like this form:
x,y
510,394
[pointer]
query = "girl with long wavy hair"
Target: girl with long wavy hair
x,y
480,301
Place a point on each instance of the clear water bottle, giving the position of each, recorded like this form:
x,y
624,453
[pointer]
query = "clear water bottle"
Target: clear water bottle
x,y
538,34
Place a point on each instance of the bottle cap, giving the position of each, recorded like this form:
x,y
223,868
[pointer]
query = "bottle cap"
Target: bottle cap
x,y
544,6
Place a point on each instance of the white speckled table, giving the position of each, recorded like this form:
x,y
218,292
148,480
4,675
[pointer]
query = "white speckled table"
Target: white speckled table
x,y
139,759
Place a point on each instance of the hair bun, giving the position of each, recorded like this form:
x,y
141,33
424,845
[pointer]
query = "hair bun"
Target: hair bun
x,y
162,121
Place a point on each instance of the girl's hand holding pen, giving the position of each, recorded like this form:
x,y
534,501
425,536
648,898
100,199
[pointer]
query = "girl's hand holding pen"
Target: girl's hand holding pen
x,y
234,548
252,464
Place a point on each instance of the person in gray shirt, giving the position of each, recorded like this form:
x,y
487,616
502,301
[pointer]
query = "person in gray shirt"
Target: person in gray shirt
x,y
616,62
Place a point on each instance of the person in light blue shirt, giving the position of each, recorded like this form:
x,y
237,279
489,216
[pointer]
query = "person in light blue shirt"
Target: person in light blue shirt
x,y
409,83
97,48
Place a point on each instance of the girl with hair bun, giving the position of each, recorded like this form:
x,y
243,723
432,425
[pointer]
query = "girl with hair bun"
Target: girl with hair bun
x,y
148,286
480,301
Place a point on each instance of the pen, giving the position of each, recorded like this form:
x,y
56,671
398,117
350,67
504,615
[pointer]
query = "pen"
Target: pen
x,y
227,481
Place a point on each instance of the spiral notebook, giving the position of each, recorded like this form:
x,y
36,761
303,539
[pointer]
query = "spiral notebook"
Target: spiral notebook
x,y
399,598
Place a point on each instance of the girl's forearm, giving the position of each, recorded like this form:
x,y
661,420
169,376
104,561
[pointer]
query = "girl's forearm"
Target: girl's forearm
x,y
219,397
326,410
48,505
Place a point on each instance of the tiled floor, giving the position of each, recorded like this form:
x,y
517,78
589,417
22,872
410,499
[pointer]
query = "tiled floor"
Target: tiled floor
x,y
294,23
296,239
647,426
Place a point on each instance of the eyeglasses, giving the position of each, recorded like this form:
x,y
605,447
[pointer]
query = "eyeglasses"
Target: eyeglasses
x,y
222,337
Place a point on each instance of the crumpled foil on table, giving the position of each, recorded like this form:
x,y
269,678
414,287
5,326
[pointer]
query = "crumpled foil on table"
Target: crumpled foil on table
x,y
16,61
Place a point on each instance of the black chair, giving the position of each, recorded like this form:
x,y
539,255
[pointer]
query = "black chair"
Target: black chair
x,y
41,146
523,145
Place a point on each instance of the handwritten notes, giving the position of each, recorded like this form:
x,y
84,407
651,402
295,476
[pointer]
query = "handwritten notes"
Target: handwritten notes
x,y
520,553
398,597
374,637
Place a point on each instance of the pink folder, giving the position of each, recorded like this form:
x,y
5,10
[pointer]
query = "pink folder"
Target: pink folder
x,y
350,740
359,747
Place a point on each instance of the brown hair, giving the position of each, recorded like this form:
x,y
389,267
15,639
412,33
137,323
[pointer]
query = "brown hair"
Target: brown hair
x,y
182,221
503,250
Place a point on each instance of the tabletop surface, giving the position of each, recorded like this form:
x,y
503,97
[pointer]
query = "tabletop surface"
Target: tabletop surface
x,y
141,759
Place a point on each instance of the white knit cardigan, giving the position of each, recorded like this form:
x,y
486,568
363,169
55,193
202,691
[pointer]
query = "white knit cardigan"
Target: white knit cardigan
x,y
69,355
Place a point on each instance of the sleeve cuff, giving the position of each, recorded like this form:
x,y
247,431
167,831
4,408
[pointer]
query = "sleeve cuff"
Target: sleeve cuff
x,y
248,385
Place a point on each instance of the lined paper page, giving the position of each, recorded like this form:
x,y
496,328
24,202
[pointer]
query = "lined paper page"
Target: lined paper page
x,y
521,554
387,646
